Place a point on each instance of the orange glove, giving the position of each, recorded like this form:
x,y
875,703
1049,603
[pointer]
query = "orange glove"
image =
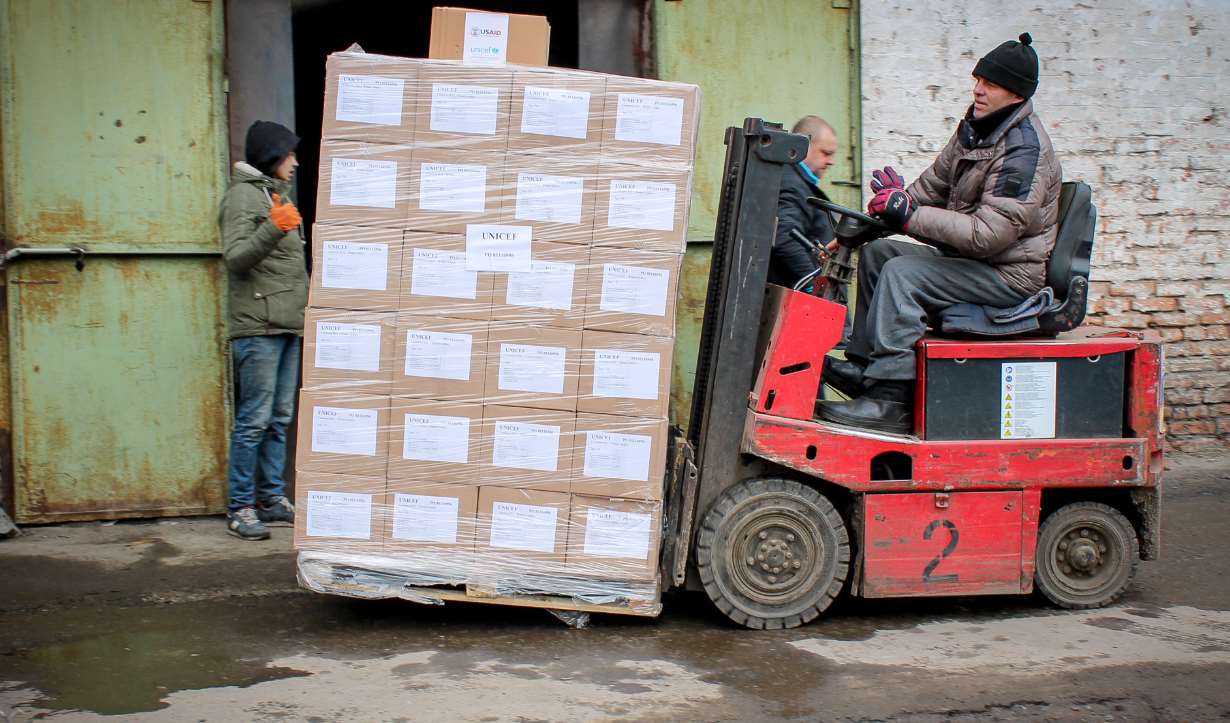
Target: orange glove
x,y
284,215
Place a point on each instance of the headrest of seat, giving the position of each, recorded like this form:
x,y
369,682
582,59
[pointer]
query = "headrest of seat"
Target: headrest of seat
x,y
1074,241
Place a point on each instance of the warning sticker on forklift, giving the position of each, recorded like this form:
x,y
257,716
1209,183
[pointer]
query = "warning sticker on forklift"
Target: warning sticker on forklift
x,y
1027,400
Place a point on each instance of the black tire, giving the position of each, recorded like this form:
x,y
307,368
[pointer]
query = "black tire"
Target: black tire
x,y
1086,557
772,553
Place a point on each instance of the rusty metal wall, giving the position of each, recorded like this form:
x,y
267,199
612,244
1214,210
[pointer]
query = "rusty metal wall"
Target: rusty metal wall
x,y
112,140
776,59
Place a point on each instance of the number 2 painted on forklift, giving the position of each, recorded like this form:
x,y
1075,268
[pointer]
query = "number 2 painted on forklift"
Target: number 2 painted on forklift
x,y
953,536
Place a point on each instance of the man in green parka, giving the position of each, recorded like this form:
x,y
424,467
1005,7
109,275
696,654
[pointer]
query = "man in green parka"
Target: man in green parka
x,y
263,248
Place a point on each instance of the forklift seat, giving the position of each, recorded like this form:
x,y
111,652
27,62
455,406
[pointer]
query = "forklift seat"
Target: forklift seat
x,y
1067,278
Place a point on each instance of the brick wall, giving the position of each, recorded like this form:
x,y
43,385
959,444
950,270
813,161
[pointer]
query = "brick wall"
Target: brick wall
x,y
1132,95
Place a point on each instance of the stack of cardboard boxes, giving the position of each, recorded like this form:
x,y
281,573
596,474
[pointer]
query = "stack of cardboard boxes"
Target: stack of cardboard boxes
x,y
488,346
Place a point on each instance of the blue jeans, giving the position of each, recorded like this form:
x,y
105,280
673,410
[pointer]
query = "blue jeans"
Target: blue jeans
x,y
267,368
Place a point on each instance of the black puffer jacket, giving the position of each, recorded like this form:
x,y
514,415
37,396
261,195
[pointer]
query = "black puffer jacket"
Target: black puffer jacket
x,y
790,259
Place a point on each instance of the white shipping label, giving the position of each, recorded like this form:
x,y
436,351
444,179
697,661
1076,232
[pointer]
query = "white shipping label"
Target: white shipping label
x,y
359,182
530,368
351,265
347,346
649,119
437,438
522,445
626,374
370,99
523,527
643,205
613,533
491,247
555,112
339,514
634,289
555,199
1027,400
425,518
547,286
339,430
486,38
617,455
457,187
438,354
442,273
464,108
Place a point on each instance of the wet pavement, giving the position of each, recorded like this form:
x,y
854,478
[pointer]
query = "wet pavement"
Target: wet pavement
x,y
177,621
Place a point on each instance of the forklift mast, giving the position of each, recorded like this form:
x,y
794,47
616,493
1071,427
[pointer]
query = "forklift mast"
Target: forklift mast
x,y
708,460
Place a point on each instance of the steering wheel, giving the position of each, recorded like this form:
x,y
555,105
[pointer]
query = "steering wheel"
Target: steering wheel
x,y
850,213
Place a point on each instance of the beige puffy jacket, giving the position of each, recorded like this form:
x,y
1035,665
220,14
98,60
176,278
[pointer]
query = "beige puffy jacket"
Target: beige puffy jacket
x,y
996,199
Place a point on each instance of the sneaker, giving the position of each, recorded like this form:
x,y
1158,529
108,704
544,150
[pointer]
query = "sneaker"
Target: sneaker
x,y
243,523
276,509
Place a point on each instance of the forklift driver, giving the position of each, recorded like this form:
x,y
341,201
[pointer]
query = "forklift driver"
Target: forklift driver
x,y
791,259
986,212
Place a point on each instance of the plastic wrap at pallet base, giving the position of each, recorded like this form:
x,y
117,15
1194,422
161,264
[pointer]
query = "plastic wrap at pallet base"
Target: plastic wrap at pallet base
x,y
619,456
356,267
440,358
348,350
628,374
464,34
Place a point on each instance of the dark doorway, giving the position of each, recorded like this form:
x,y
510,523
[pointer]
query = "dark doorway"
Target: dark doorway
x,y
388,27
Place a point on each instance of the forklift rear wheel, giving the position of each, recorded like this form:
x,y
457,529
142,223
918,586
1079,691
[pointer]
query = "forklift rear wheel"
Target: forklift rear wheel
x,y
1087,554
772,553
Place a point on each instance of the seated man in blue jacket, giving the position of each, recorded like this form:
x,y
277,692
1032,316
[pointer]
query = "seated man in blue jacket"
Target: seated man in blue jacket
x,y
791,259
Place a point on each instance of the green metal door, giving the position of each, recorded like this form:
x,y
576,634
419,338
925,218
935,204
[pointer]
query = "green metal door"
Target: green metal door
x,y
112,140
775,59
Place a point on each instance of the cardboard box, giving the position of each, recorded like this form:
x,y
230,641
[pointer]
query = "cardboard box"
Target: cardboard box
x,y
632,291
343,433
557,110
349,351
619,456
527,448
431,525
642,207
613,539
551,295
451,189
369,98
463,108
356,267
521,525
650,121
553,195
533,366
364,184
473,35
627,374
432,441
440,358
338,512
435,280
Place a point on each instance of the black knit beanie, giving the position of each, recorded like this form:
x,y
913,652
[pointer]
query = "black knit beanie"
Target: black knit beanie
x,y
1013,65
267,145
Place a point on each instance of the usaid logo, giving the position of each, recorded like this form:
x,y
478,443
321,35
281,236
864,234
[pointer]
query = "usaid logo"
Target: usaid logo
x,y
486,33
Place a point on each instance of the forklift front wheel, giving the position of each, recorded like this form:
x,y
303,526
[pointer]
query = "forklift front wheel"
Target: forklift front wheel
x,y
772,553
1087,554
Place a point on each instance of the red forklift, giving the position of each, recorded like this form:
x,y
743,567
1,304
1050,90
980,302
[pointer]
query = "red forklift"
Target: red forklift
x,y
1035,458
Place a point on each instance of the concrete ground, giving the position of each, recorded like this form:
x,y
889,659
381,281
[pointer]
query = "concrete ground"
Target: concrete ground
x,y
174,620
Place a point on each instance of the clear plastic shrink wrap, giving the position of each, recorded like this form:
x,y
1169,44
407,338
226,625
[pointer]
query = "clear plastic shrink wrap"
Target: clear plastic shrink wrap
x,y
488,347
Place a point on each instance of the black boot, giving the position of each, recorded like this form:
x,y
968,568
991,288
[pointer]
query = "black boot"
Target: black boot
x,y
845,376
888,406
